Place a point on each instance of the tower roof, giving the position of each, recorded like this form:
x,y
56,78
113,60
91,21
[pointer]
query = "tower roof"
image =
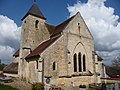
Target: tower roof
x,y
35,11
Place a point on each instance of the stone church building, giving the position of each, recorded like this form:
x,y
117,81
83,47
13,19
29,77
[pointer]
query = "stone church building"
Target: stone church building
x,y
61,55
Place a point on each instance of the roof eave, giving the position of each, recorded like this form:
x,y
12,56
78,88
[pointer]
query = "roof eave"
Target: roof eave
x,y
30,57
32,15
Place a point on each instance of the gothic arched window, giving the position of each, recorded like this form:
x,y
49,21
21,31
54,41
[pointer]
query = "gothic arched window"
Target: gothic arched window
x,y
54,66
75,62
36,23
79,62
84,64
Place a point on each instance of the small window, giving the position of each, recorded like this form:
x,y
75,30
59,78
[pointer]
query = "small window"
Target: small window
x,y
54,66
36,23
75,62
36,64
26,41
84,64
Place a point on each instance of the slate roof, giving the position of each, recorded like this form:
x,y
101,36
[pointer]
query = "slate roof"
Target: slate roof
x,y
16,54
42,47
12,68
35,11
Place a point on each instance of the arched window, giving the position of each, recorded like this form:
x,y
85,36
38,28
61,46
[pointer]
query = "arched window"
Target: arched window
x,y
79,62
75,62
54,66
36,23
84,64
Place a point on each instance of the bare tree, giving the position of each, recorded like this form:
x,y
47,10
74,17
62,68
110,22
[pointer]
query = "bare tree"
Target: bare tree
x,y
114,69
116,61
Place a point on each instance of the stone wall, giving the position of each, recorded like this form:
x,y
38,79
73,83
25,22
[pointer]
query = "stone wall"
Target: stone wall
x,y
75,38
55,53
80,41
62,52
16,59
31,37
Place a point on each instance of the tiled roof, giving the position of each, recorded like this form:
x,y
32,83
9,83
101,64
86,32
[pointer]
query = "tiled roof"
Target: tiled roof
x,y
114,78
50,28
35,11
59,28
16,54
99,58
12,68
42,47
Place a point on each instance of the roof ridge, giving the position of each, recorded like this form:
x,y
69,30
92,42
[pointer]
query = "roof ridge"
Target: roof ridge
x,y
66,20
50,24
59,28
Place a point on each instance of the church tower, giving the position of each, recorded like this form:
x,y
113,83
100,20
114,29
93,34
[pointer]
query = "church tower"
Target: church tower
x,y
33,32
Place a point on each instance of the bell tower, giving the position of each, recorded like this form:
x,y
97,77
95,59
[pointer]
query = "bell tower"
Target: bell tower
x,y
34,31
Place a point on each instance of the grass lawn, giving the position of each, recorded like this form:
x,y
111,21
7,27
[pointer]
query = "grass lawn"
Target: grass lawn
x,y
5,87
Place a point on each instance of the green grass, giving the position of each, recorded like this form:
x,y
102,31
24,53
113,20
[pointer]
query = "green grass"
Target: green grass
x,y
5,87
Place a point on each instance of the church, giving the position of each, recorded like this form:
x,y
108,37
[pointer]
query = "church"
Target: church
x,y
61,56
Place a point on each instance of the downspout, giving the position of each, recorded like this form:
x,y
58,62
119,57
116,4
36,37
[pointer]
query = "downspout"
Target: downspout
x,y
42,70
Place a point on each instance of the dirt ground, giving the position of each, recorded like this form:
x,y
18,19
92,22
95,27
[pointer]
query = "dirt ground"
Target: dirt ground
x,y
17,83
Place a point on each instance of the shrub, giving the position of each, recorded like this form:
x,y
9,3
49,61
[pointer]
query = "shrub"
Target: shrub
x,y
37,86
82,86
2,66
5,87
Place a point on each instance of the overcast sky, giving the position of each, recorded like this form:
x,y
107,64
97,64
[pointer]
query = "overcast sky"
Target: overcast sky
x,y
101,17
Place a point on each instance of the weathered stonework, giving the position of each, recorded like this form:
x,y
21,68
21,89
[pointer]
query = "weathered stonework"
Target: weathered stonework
x,y
53,62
